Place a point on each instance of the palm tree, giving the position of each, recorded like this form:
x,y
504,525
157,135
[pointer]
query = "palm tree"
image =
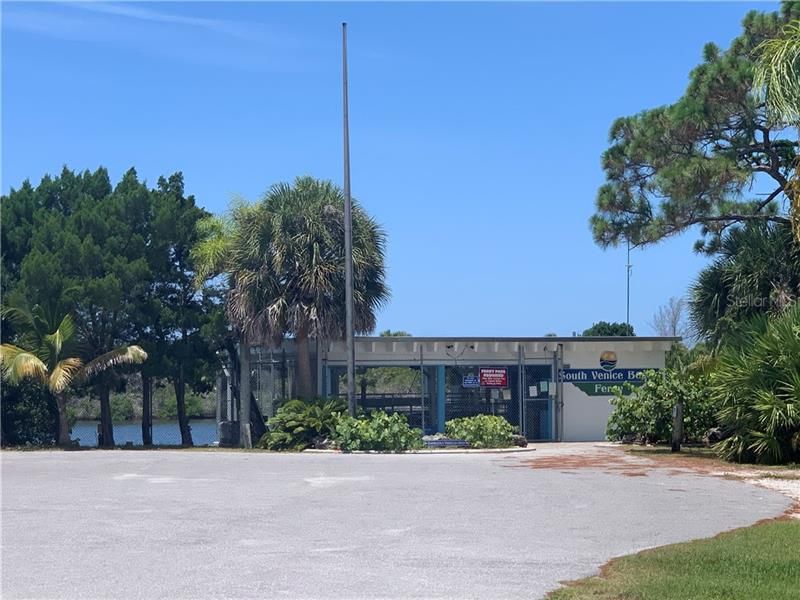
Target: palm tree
x,y
777,82
756,385
757,270
47,352
309,258
284,261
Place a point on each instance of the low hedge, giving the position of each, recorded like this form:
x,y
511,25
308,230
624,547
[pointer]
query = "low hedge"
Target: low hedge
x,y
301,424
482,431
378,432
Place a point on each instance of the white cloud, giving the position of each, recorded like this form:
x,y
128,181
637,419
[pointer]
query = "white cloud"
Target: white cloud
x,y
185,38
232,28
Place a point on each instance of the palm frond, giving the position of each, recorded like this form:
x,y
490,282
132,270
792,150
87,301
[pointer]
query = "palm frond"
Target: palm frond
x,y
54,342
63,374
20,316
124,355
211,252
19,364
777,75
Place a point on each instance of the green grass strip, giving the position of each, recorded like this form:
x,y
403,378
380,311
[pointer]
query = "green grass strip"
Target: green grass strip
x,y
754,563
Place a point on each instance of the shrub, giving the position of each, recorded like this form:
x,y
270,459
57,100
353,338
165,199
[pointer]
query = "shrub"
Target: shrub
x,y
757,385
166,403
378,431
29,415
298,424
644,414
482,431
122,407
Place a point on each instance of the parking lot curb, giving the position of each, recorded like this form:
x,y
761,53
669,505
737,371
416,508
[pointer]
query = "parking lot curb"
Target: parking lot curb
x,y
429,451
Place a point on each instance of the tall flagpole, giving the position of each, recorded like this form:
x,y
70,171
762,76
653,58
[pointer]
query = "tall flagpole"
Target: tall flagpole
x,y
348,239
629,267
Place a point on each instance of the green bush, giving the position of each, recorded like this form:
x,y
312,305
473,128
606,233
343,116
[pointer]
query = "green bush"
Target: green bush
x,y
29,416
378,431
482,431
166,403
757,385
122,407
298,424
644,414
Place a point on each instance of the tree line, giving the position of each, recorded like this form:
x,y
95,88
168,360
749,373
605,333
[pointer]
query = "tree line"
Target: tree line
x,y
105,267
100,280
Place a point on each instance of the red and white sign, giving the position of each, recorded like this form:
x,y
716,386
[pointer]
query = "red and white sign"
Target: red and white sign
x,y
493,377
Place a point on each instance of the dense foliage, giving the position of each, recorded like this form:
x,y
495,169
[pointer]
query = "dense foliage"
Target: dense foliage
x,y
695,358
378,431
701,160
756,384
28,415
705,161
300,424
644,413
608,329
756,270
482,431
116,258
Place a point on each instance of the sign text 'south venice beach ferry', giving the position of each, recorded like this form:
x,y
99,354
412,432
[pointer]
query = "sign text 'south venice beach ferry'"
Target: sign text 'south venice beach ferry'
x,y
600,381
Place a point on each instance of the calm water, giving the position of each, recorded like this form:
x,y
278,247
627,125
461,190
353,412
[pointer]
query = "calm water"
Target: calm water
x,y
204,432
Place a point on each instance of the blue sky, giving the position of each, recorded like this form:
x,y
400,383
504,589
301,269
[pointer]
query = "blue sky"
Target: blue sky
x,y
476,130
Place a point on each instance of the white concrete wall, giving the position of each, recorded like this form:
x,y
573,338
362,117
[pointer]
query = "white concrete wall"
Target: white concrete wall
x,y
585,416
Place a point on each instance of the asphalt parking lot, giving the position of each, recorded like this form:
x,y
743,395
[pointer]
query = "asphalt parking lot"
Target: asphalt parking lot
x,y
217,524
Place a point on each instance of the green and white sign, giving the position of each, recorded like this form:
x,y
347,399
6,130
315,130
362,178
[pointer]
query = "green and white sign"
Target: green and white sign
x,y
602,389
601,381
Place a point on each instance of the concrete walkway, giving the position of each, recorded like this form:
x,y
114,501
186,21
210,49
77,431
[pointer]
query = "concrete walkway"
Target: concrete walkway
x,y
216,524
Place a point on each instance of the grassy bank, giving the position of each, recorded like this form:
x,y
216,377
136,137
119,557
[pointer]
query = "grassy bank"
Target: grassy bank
x,y
756,563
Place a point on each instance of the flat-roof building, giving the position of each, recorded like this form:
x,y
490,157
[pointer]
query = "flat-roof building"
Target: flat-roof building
x,y
552,388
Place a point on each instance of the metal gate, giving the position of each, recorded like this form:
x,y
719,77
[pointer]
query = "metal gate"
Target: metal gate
x,y
538,392
464,400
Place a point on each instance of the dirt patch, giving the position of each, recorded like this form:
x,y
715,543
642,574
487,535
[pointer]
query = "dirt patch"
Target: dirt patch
x,y
793,512
601,460
616,461
610,462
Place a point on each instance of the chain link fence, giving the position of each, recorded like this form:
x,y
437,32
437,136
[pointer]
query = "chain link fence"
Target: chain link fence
x,y
404,390
433,394
465,398
272,379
